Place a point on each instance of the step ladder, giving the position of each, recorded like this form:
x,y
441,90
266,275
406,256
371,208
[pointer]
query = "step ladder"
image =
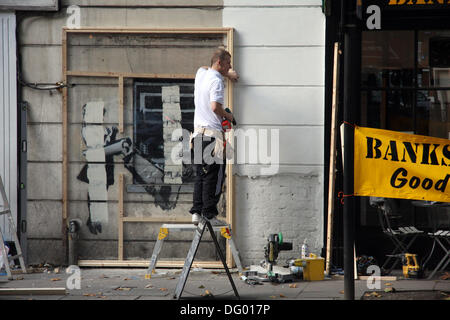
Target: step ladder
x,y
199,230
5,209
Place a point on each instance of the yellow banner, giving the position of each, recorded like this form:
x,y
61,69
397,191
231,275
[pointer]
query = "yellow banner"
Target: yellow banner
x,y
392,164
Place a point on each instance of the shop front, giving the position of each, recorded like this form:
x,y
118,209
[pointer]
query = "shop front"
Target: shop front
x,y
405,87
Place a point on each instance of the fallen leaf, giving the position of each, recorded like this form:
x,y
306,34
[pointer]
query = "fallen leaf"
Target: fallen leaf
x,y
89,294
127,279
201,287
293,285
207,294
389,290
55,279
272,297
282,295
446,276
163,289
341,292
149,286
375,294
123,289
388,284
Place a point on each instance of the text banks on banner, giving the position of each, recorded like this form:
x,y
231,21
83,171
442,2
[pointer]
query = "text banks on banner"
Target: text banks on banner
x,y
392,164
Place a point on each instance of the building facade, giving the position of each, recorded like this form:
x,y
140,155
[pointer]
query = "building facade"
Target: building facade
x,y
83,135
397,80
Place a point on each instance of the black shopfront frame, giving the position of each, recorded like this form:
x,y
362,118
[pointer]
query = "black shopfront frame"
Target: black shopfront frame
x,y
345,24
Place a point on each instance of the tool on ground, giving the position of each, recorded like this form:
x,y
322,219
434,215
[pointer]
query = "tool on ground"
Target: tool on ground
x,y
310,268
313,267
5,209
225,231
274,245
410,266
364,263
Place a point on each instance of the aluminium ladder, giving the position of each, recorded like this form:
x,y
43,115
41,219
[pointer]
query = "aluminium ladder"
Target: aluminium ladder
x,y
199,230
5,209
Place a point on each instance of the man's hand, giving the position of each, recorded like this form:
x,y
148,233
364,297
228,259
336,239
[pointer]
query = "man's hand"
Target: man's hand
x,y
232,75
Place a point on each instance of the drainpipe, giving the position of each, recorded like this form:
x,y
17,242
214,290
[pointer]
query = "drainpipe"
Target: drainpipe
x,y
73,235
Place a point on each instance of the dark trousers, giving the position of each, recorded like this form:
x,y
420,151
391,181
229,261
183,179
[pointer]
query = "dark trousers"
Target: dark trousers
x,y
208,181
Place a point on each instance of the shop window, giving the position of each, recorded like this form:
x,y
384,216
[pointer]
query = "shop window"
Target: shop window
x,y
405,86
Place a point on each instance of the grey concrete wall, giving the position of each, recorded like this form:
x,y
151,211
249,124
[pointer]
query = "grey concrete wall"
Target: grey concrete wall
x,y
279,53
40,48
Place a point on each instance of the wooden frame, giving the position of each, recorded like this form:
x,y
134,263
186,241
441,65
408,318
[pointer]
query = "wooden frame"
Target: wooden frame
x,y
228,32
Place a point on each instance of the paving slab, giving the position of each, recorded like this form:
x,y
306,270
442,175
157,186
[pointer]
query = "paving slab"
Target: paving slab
x,y
32,297
130,284
443,285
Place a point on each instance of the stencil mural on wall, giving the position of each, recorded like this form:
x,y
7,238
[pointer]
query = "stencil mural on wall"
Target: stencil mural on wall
x,y
101,146
161,112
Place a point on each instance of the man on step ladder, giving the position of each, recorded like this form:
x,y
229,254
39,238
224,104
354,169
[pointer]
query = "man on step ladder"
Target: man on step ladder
x,y
210,121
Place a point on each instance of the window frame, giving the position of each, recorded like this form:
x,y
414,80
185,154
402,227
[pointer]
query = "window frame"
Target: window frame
x,y
66,73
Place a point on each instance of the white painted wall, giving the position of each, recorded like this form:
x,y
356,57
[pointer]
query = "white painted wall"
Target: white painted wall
x,y
279,51
8,117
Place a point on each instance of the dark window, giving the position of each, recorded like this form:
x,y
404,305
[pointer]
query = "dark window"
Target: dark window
x,y
161,108
405,86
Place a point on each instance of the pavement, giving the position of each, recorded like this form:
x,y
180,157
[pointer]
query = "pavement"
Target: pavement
x,y
202,284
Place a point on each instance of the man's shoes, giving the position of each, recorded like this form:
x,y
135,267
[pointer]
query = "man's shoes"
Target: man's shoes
x,y
216,222
195,218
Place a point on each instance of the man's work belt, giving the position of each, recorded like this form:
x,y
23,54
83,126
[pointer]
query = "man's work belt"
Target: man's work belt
x,y
219,137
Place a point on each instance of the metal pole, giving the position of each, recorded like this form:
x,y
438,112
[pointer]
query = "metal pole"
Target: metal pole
x,y
352,64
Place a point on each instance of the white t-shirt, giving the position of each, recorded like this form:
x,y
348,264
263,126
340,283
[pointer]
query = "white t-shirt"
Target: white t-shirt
x,y
208,87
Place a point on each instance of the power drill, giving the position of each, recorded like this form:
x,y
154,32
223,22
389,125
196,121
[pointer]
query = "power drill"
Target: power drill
x,y
274,245
411,268
226,125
